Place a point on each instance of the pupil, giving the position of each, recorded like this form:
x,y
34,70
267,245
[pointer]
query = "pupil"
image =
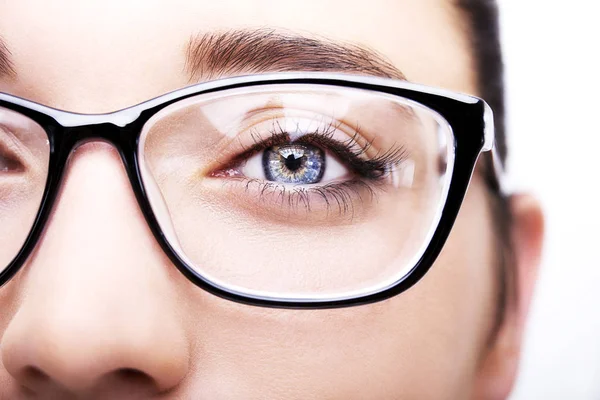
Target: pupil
x,y
292,163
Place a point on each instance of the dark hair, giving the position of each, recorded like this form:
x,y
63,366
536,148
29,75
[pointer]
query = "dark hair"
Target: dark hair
x,y
483,31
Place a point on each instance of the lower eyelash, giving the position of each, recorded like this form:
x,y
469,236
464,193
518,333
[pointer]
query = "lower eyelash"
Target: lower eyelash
x,y
340,198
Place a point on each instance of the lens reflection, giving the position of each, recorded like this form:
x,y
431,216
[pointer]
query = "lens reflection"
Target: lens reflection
x,y
382,181
24,154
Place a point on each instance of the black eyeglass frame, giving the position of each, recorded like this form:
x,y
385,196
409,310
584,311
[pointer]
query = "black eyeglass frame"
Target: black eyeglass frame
x,y
469,117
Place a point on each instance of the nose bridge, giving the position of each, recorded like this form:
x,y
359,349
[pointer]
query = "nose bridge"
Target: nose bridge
x,y
95,204
66,143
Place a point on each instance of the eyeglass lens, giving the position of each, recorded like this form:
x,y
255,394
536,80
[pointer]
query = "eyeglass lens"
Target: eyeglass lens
x,y
298,191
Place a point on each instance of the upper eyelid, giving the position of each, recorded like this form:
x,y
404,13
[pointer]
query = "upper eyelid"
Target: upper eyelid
x,y
275,138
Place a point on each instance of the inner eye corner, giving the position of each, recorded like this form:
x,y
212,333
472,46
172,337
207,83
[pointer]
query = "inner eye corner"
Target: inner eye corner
x,y
227,169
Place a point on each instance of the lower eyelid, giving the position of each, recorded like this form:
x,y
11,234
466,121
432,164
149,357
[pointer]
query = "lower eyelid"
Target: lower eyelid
x,y
334,203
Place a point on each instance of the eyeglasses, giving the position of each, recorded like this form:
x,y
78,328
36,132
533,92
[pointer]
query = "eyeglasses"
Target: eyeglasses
x,y
301,190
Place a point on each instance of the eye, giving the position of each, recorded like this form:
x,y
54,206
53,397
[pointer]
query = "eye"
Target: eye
x,y
11,154
300,164
7,163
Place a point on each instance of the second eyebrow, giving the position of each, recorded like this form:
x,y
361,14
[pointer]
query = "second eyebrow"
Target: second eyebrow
x,y
6,67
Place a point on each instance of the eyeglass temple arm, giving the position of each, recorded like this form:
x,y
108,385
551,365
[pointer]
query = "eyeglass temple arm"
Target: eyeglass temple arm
x,y
490,145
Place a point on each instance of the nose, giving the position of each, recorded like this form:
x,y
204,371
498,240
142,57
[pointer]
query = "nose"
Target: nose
x,y
98,313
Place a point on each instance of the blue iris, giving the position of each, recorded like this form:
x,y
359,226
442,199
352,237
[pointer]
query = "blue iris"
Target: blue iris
x,y
294,163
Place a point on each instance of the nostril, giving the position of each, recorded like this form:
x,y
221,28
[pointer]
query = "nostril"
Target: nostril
x,y
127,380
35,375
134,376
35,379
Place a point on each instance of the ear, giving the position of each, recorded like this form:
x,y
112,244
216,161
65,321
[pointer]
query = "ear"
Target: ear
x,y
498,370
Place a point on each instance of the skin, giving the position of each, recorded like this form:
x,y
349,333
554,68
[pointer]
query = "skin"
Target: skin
x,y
99,312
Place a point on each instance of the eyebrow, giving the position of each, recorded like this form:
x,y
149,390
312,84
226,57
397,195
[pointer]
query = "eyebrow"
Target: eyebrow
x,y
213,55
6,67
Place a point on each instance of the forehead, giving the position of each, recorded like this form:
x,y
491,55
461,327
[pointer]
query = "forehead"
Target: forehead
x,y
98,56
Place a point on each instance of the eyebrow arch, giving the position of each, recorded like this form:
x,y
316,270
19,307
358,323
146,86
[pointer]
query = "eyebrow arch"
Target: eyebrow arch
x,y
214,55
6,67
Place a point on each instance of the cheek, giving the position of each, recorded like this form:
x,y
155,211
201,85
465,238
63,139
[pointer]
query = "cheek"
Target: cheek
x,y
469,263
424,343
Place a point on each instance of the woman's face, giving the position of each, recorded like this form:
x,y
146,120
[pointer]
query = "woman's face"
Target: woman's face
x,y
98,311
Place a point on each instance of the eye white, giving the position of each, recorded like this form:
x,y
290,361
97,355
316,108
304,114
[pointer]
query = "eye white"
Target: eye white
x,y
253,167
334,170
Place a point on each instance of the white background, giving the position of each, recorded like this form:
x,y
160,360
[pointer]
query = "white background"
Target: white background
x,y
552,53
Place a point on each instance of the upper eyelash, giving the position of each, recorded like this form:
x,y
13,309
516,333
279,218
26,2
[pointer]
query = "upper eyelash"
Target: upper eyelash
x,y
350,151
371,172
